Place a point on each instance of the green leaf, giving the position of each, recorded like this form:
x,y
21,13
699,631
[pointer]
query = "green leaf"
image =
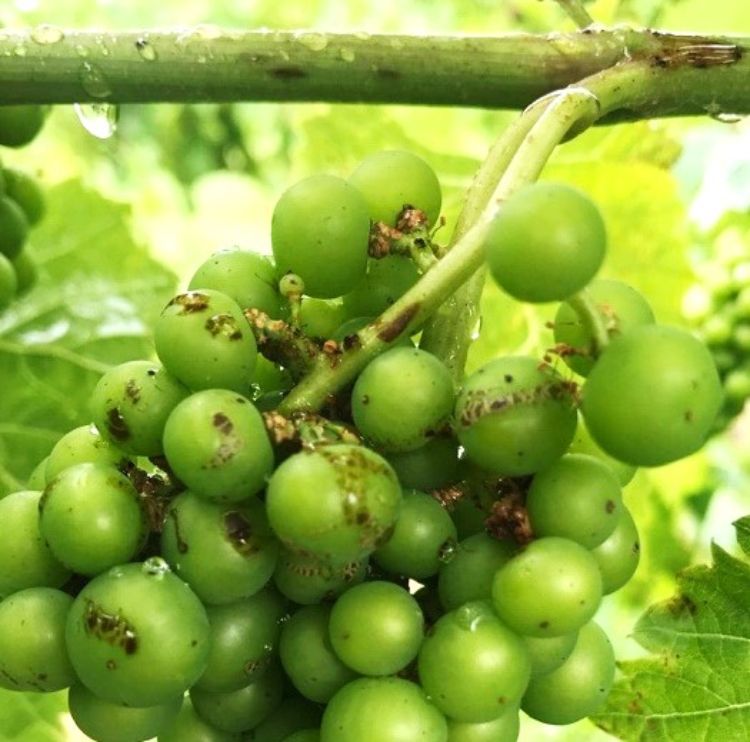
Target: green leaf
x,y
96,300
31,716
696,684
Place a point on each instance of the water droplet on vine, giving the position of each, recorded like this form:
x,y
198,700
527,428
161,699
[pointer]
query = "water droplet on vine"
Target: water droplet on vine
x,y
46,34
725,117
94,81
146,49
347,55
99,119
315,42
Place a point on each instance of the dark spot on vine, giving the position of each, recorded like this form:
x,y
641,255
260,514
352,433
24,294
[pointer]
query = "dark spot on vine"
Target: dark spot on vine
x,y
508,378
111,665
116,425
288,72
42,676
194,643
351,341
388,74
391,330
222,423
544,625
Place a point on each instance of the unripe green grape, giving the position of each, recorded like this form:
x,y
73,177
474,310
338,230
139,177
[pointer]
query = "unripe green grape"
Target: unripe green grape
x,y
376,628
291,715
741,337
105,721
472,666
8,282
504,728
14,228
245,276
515,416
552,587
25,559
382,710
546,243
584,443
320,318
32,641
548,653
578,497
82,445
337,503
402,398
386,280
203,339
392,179
308,657
717,330
270,378
26,272
428,467
137,635
131,403
579,686
619,555
652,396
304,735
422,538
620,308
189,727
737,385
20,124
37,479
216,443
469,574
25,190
224,552
319,231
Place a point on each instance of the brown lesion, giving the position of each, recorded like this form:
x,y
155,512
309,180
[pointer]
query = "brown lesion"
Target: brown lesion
x,y
191,302
509,518
699,52
394,328
113,628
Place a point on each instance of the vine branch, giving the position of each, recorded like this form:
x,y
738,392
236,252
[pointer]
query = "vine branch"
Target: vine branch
x,y
576,10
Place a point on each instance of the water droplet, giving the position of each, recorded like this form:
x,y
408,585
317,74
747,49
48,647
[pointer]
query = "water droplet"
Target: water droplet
x,y
315,42
470,615
268,648
347,55
145,49
94,81
447,550
46,34
725,117
19,50
155,567
99,119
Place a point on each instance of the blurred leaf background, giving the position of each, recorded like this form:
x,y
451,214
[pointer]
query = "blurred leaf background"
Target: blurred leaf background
x,y
130,216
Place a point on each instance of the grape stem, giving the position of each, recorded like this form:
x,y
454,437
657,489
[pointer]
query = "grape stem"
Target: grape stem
x,y
576,11
591,318
561,111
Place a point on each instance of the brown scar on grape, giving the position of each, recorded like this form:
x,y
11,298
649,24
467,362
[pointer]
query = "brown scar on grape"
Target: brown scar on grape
x,y
222,423
116,425
224,324
111,627
191,302
508,518
389,331
182,545
239,532
133,391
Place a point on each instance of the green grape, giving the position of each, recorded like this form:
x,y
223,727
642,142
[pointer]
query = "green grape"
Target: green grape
x,y
13,227
552,587
189,727
424,535
308,657
515,416
620,308
547,654
8,282
619,555
382,710
337,503
584,443
319,231
304,735
546,243
32,641
26,272
402,398
652,396
472,666
737,385
131,404
376,628
504,728
137,635
82,445
472,509
307,580
203,339
224,552
270,378
244,635
25,559
385,281
20,124
216,443
578,497
428,467
471,571
37,479
112,722
246,277
92,518
393,179
25,190
579,686
243,709
320,318
291,715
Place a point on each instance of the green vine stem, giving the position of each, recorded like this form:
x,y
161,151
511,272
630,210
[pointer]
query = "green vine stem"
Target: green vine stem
x,y
50,65
579,14
561,112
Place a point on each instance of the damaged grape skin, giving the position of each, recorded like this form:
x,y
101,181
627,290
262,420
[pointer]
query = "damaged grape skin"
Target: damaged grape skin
x,y
515,416
224,552
137,635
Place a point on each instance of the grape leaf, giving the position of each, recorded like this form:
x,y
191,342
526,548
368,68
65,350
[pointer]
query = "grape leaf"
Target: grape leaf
x,y
31,716
696,684
97,297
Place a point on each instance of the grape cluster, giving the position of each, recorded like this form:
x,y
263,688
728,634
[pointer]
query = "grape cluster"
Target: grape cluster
x,y
719,307
21,203
422,564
